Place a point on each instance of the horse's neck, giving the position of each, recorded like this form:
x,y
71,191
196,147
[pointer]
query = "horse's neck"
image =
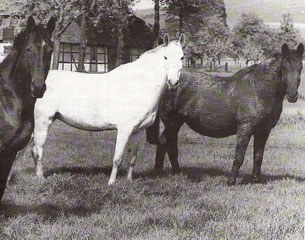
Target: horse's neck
x,y
155,82
14,81
271,70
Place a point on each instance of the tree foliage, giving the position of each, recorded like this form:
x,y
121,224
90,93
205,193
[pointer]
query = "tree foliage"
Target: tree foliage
x,y
251,37
287,33
204,23
253,40
67,11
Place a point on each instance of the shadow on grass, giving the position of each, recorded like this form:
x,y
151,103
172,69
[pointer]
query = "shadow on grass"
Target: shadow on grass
x,y
46,210
266,178
197,174
87,171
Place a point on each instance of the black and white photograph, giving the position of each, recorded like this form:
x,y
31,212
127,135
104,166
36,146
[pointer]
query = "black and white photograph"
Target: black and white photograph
x,y
152,120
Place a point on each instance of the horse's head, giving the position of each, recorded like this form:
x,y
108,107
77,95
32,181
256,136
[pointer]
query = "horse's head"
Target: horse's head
x,y
291,70
173,56
34,50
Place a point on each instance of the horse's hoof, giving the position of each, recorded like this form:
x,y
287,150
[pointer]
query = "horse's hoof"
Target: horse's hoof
x,y
176,171
111,182
130,178
231,182
256,180
158,171
41,179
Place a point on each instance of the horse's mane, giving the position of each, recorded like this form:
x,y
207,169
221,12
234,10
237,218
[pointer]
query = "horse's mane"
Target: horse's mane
x,y
19,43
239,74
16,47
156,49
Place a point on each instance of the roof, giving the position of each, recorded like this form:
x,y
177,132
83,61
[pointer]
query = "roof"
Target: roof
x,y
137,34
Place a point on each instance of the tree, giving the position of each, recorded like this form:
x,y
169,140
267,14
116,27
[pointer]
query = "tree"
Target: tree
x,y
287,33
212,39
67,11
251,34
156,29
203,22
116,12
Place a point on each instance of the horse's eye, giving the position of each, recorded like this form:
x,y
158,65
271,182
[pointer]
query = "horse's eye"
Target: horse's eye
x,y
182,58
165,57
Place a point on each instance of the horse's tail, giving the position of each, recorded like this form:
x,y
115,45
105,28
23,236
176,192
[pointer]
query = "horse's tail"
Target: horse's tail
x,y
152,132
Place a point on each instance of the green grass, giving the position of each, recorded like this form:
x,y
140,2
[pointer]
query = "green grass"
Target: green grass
x,y
75,202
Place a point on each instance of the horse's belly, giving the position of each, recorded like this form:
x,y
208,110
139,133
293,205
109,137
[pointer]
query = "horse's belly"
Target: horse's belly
x,y
89,122
217,127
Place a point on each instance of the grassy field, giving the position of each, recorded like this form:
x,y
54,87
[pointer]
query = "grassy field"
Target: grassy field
x,y
75,203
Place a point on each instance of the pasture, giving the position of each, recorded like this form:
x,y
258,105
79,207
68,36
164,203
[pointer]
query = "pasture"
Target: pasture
x,y
75,202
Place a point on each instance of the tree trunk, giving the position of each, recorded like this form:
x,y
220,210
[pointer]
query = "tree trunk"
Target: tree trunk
x,y
120,47
157,23
180,19
152,132
82,47
55,62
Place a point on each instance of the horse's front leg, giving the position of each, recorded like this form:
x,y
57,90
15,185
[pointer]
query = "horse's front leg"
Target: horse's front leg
x,y
244,133
122,138
133,152
260,139
6,161
21,154
40,136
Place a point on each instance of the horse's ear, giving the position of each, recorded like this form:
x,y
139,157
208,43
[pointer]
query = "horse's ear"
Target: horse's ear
x,y
166,39
300,49
285,50
31,25
182,39
51,25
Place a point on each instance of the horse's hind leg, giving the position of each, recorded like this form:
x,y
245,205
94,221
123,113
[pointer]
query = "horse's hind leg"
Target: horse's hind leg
x,y
172,149
160,155
133,151
169,143
244,134
121,142
40,136
260,139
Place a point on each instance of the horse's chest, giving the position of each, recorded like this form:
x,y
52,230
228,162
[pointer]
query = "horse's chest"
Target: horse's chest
x,y
15,133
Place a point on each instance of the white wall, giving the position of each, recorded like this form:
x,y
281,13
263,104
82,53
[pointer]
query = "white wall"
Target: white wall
x,y
2,55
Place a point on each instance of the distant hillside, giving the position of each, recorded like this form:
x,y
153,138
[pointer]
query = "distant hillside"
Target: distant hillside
x,y
211,7
270,11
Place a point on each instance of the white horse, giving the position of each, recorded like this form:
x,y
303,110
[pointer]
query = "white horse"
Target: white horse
x,y
125,99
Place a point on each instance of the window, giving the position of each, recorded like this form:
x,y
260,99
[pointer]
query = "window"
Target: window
x,y
135,53
96,59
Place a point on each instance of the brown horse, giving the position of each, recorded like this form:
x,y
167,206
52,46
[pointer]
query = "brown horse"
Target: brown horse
x,y
22,80
249,103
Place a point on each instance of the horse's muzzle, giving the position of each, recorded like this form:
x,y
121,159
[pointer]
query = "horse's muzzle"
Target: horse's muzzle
x,y
172,86
37,92
292,99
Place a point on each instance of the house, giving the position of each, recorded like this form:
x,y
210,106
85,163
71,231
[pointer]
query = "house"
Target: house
x,y
102,44
9,27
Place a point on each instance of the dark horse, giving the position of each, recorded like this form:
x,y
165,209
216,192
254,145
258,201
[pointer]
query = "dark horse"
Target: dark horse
x,y
22,80
248,103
